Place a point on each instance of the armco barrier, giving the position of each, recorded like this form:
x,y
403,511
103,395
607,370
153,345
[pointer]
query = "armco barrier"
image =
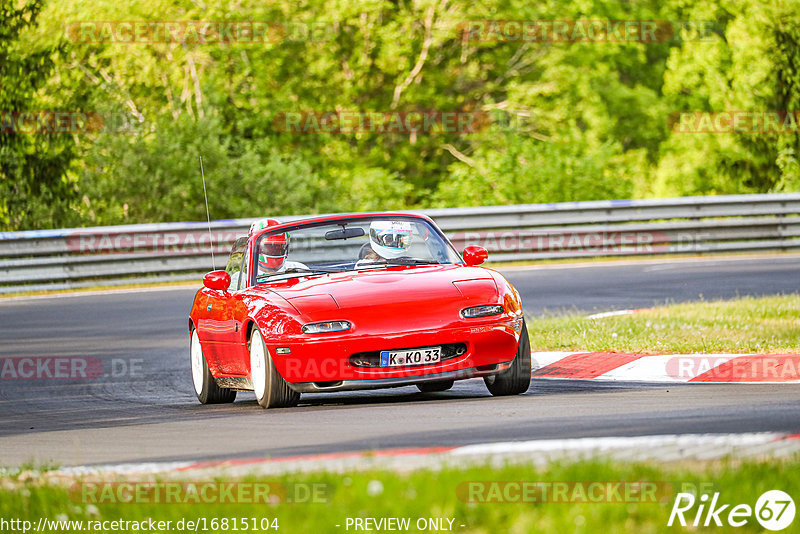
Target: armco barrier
x,y
78,257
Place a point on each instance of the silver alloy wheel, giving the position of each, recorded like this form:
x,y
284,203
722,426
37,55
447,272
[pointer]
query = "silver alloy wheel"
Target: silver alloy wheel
x,y
258,365
198,372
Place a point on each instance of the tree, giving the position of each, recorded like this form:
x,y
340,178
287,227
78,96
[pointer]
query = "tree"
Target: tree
x,y
36,189
751,65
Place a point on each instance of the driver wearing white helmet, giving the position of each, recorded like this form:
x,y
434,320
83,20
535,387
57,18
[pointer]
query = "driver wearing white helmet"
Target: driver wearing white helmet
x,y
388,240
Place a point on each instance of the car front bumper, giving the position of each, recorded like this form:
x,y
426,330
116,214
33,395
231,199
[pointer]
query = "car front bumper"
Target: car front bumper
x,y
322,363
396,382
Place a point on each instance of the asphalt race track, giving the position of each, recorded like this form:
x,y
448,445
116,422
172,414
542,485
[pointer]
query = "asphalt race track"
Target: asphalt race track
x,y
144,408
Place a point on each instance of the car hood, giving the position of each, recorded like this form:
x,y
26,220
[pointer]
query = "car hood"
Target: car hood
x,y
419,297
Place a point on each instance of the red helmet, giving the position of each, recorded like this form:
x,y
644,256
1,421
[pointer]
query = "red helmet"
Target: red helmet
x,y
273,248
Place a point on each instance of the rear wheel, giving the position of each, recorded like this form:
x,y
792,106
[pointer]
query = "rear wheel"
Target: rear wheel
x,y
432,387
270,388
206,389
517,378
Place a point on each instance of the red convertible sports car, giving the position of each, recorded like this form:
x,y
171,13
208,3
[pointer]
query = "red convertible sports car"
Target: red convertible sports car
x,y
354,302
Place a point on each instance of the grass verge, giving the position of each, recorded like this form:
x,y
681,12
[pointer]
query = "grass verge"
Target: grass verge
x,y
745,325
440,494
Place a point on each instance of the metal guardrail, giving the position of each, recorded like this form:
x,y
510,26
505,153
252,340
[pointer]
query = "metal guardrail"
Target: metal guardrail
x,y
79,257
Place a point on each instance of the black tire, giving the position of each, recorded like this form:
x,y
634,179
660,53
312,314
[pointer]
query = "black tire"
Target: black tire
x,y
516,379
207,390
433,387
275,392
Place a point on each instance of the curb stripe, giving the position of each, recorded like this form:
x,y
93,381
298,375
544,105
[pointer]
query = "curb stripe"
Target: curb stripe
x,y
757,368
667,367
670,368
665,447
586,365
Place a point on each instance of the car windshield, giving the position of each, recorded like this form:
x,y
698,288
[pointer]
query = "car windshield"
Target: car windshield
x,y
350,244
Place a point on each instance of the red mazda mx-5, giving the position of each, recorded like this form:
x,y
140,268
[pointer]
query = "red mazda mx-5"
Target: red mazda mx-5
x,y
354,302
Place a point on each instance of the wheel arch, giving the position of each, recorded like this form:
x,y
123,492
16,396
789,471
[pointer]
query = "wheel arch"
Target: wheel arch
x,y
249,325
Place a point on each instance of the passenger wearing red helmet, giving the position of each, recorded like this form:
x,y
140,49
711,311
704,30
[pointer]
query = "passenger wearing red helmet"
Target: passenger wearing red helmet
x,y
273,250
272,253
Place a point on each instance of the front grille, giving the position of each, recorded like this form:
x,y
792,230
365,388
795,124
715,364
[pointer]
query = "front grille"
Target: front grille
x,y
373,358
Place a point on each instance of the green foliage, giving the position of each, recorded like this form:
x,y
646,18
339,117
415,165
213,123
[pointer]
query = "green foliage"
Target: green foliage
x,y
529,170
36,189
569,121
750,65
160,164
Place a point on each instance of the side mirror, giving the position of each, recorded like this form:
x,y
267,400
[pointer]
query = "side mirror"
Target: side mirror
x,y
219,280
475,255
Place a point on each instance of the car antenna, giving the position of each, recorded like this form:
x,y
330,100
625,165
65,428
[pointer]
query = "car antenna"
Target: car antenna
x,y
208,217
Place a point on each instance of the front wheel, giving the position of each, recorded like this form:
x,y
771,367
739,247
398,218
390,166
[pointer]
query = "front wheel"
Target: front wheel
x,y
270,388
206,389
517,378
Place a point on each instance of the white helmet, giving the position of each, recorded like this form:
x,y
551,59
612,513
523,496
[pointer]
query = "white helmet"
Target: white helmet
x,y
390,239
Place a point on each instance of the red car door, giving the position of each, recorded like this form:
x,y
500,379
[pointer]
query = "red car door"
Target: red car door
x,y
214,326
217,325
232,356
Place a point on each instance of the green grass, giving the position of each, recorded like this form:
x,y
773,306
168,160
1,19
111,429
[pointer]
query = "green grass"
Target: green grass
x,y
758,325
429,493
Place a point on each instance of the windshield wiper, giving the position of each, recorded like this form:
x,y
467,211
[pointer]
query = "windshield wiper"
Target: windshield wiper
x,y
369,266
307,270
412,261
294,271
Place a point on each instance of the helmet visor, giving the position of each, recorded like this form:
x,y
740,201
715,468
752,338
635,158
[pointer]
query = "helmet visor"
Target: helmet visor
x,y
274,250
393,238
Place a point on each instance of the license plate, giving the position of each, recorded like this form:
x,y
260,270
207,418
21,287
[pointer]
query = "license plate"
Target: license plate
x,y
421,356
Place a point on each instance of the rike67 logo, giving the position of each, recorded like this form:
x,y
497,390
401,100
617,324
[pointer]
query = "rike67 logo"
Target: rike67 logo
x,y
774,510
